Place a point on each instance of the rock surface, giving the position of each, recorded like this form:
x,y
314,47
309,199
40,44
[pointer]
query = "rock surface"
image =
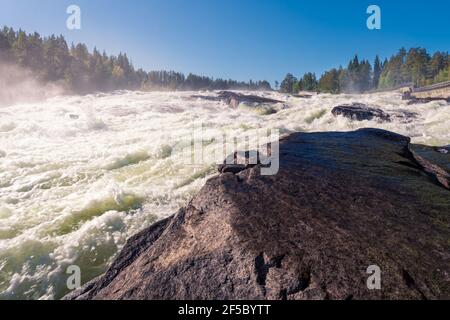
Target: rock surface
x,y
340,203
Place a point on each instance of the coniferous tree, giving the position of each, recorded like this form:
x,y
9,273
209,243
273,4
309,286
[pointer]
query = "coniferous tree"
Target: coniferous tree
x,y
438,62
377,69
404,68
5,47
287,85
308,82
81,71
444,75
329,82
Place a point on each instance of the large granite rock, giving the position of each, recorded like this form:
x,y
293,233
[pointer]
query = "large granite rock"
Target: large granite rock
x,y
340,203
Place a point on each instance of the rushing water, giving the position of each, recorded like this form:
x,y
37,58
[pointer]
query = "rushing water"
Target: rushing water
x,y
80,175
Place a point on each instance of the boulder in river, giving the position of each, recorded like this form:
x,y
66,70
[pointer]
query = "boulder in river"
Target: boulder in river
x,y
413,100
360,112
303,95
342,204
234,99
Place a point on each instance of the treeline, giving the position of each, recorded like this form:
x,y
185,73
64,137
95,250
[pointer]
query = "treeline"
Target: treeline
x,y
163,80
416,67
80,71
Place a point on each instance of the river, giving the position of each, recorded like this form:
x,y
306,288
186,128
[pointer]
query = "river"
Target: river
x,y
80,175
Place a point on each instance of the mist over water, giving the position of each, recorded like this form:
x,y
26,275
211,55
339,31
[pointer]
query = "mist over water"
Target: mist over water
x,y
19,85
80,175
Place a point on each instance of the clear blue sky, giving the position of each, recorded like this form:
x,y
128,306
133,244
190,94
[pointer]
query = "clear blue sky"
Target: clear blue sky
x,y
239,39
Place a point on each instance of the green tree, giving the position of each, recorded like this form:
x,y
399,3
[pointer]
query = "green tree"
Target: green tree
x,y
329,82
415,66
56,58
19,47
5,47
377,69
444,75
309,82
287,85
438,63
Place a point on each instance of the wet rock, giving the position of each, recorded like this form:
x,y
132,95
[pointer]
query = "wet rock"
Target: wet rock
x,y
360,112
435,161
412,101
303,96
341,202
404,116
234,99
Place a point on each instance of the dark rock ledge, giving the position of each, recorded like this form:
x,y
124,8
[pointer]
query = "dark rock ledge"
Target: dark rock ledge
x,y
360,112
340,203
233,99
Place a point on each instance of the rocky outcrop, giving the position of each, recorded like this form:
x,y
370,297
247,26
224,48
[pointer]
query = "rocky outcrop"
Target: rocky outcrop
x,y
412,100
361,112
341,202
234,99
303,95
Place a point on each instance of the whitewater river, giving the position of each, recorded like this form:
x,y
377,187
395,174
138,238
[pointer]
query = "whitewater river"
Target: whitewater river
x,y
80,175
